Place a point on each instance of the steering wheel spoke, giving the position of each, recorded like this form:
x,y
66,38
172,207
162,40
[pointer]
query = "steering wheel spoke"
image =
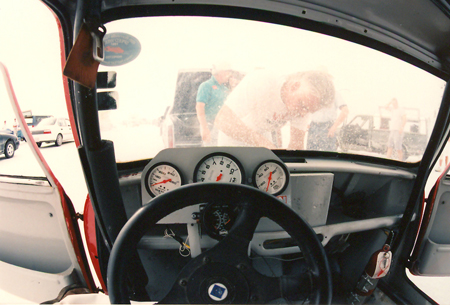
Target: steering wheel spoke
x,y
246,222
240,235
296,287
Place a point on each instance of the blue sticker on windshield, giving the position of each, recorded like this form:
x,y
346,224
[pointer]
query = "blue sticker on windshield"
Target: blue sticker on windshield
x,y
120,49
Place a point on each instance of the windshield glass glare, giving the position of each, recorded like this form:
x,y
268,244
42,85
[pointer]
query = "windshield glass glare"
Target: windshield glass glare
x,y
46,122
200,81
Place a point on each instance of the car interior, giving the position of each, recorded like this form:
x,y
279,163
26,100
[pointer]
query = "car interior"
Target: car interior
x,y
354,211
173,220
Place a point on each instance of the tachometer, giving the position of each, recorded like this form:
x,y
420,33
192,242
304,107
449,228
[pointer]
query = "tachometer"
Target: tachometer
x,y
161,178
219,167
271,176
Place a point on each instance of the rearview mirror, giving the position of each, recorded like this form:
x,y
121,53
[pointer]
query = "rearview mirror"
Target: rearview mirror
x,y
106,80
107,100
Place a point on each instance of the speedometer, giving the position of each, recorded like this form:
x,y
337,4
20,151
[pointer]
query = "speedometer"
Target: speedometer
x,y
219,167
161,178
271,176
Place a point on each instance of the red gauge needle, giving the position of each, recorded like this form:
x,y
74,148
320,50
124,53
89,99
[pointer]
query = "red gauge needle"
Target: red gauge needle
x,y
219,177
164,181
268,182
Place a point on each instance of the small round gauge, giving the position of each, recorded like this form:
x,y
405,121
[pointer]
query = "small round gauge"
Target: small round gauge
x,y
271,176
217,219
161,178
219,167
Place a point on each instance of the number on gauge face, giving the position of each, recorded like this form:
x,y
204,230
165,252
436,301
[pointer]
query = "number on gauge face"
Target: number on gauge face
x,y
161,178
271,176
219,168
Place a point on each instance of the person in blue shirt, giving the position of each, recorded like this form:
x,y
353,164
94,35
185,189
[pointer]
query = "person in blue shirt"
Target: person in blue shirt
x,y
211,96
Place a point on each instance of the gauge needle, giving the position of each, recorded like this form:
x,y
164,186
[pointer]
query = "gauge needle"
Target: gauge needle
x,y
219,177
164,181
268,182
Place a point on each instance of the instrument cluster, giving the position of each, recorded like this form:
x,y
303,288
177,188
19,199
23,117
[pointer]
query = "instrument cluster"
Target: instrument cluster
x,y
173,168
269,175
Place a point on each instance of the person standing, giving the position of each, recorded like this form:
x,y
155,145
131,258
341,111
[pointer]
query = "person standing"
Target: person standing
x,y
15,127
264,101
324,123
210,97
397,124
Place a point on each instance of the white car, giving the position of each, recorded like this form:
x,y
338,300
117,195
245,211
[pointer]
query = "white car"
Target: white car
x,y
52,130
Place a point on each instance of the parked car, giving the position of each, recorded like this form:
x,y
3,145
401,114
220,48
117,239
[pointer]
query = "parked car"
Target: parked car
x,y
179,124
7,130
52,130
9,143
371,133
34,120
240,223
31,120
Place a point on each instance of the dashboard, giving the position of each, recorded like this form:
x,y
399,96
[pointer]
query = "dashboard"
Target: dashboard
x,y
256,167
335,197
345,200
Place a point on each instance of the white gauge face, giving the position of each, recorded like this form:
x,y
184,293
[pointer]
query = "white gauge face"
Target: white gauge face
x,y
218,168
163,178
271,177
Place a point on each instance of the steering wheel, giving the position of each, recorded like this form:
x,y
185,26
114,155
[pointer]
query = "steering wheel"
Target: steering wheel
x,y
224,273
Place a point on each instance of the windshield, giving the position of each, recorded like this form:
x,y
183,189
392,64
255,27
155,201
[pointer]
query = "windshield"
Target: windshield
x,y
199,81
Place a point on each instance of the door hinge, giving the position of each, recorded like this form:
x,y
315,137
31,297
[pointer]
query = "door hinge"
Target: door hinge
x,y
79,216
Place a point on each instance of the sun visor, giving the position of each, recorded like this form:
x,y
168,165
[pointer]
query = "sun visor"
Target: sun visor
x,y
86,55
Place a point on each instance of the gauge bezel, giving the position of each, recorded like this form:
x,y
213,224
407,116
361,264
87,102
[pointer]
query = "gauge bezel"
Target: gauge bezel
x,y
284,168
208,211
147,176
220,154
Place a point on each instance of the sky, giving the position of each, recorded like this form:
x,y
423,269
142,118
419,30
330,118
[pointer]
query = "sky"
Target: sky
x,y
29,47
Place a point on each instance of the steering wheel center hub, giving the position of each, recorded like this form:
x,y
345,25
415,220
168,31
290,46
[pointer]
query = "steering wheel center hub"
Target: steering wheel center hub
x,y
217,282
218,292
